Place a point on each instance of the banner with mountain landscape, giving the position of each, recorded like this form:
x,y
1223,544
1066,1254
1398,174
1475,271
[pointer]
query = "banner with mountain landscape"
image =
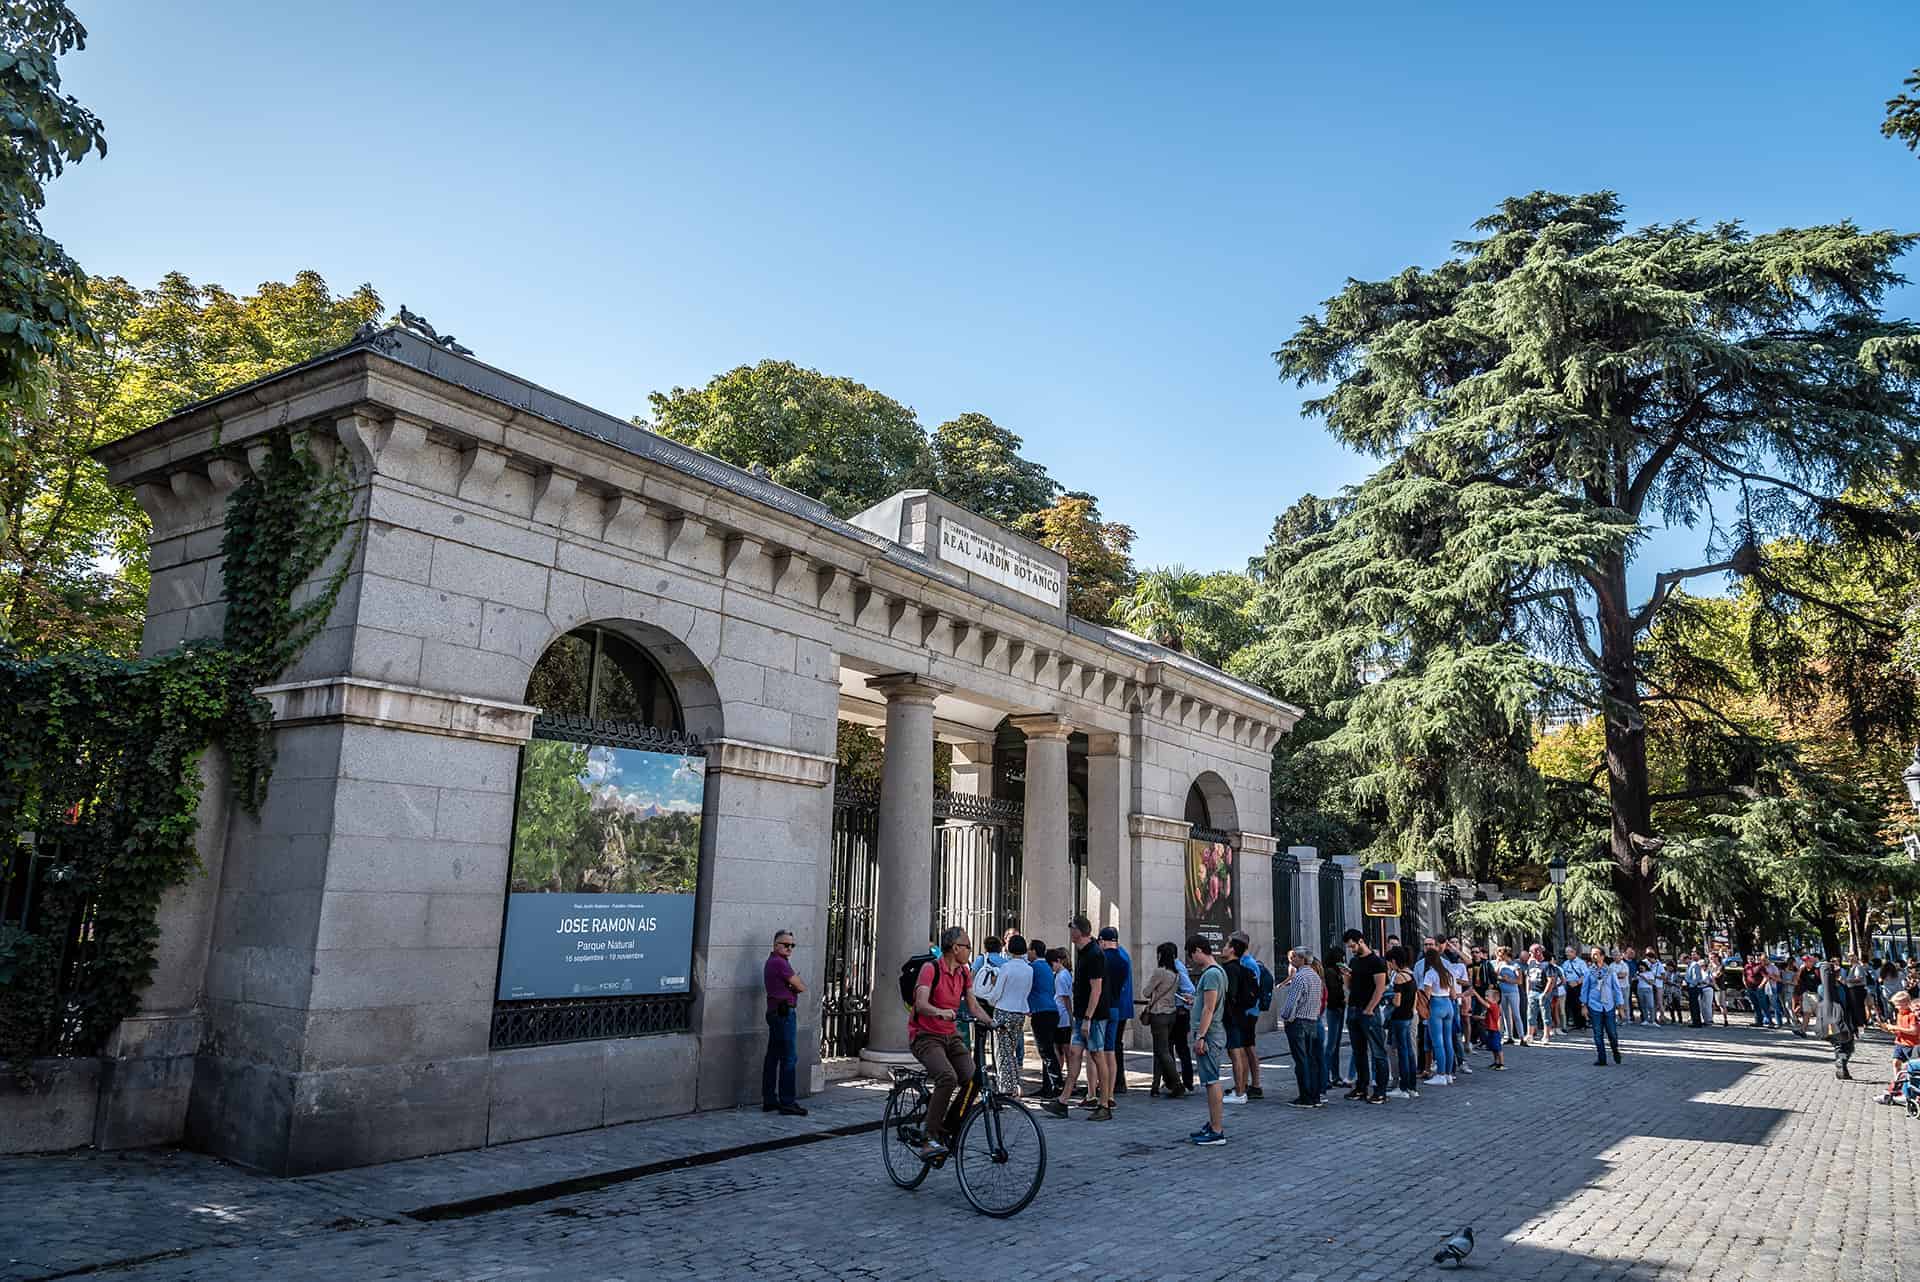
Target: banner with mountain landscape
x,y
606,859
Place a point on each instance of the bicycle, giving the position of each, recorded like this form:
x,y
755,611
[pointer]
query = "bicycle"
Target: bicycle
x,y
999,1151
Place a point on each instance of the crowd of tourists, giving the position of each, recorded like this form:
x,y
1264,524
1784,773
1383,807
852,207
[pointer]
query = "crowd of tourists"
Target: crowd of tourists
x,y
1412,1018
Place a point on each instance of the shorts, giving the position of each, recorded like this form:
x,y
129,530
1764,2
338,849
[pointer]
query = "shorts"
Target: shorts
x,y
1090,1033
1206,1066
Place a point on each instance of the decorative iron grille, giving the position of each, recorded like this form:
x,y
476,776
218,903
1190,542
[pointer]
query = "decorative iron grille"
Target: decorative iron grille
x,y
1333,913
1286,869
847,993
586,1019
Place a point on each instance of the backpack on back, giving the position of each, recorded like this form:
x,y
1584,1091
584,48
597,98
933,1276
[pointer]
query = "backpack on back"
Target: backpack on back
x,y
1243,990
910,975
1266,985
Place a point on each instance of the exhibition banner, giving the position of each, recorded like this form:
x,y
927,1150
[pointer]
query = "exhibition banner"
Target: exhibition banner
x,y
606,858
1213,891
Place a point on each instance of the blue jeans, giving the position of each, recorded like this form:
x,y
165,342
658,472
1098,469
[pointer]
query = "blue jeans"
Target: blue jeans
x,y
1604,1022
783,1057
1309,1057
1539,1014
1334,1020
1369,1039
1443,1017
1404,1058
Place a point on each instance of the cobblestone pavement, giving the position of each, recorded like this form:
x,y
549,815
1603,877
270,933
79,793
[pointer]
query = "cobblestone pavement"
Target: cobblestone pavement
x,y
1725,1155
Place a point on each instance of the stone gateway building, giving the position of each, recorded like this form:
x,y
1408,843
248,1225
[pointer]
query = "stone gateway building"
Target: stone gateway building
x,y
563,761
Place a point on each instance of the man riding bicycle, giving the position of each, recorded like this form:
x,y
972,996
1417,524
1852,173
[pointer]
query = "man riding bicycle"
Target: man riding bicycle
x,y
943,984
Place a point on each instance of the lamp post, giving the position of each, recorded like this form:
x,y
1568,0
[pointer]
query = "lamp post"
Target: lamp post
x,y
1557,870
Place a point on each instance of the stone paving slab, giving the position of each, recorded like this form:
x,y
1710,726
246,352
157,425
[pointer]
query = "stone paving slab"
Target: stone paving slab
x,y
1729,1155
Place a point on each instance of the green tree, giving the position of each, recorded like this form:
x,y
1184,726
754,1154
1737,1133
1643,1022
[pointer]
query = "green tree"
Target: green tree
x,y
46,130
73,547
1203,615
1099,571
829,437
977,464
1542,399
1903,114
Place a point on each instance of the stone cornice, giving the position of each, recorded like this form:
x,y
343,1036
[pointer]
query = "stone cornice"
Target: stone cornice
x,y
764,761
1158,827
395,707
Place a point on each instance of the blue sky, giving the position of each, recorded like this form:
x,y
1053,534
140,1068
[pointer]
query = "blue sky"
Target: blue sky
x,y
1093,226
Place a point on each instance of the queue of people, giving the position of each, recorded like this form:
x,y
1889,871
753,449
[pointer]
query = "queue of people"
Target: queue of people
x,y
1411,1018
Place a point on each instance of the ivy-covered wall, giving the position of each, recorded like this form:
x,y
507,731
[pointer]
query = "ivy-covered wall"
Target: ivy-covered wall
x,y
99,772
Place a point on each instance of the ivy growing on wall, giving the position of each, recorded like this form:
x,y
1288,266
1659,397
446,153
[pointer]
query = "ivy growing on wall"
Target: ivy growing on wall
x,y
99,772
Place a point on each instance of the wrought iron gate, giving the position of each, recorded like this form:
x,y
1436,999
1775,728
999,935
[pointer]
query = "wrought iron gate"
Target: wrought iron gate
x,y
975,852
1285,869
976,864
1333,880
848,986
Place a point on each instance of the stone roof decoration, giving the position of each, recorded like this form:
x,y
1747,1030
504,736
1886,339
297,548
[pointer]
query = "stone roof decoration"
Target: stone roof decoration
x,y
413,342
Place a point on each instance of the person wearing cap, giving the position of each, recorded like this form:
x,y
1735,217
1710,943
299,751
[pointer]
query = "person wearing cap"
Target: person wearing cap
x,y
1120,1012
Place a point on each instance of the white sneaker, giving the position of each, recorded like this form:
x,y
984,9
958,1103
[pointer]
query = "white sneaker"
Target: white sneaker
x,y
1234,1098
1398,1094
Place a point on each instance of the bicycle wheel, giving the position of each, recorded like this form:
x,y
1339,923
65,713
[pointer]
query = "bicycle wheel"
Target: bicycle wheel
x,y
901,1127
1002,1157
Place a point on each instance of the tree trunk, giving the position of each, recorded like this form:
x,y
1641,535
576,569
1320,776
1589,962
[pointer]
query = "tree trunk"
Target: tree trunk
x,y
1628,789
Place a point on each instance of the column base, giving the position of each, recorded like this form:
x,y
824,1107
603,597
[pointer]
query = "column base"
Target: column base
x,y
880,1064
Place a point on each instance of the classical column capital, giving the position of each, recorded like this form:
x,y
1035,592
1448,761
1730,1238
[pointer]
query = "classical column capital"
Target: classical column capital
x,y
1041,725
909,687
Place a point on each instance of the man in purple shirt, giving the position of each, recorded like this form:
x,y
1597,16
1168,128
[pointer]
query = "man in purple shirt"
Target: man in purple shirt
x,y
783,1046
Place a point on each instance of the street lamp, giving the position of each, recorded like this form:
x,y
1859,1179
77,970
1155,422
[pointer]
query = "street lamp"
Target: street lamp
x,y
1557,871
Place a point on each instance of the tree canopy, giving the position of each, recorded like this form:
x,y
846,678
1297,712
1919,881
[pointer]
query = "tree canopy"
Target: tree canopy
x,y
977,464
73,549
830,437
1538,402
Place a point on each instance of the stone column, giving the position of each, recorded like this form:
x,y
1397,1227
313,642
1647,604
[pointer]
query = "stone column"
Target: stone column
x,y
1046,879
1109,901
1350,913
1426,886
1306,898
904,908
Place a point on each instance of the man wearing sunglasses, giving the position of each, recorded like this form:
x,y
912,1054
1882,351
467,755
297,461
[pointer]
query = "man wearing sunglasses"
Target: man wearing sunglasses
x,y
783,1048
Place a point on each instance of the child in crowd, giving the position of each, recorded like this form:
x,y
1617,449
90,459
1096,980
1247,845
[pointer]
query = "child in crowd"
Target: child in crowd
x,y
1905,1028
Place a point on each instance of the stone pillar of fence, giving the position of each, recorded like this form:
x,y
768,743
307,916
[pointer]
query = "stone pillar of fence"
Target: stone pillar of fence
x,y
1350,913
1305,926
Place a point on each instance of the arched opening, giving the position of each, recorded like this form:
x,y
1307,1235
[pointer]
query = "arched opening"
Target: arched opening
x,y
595,673
1210,804
609,819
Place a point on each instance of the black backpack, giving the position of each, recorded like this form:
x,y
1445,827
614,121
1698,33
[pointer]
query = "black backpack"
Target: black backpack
x,y
910,975
1243,990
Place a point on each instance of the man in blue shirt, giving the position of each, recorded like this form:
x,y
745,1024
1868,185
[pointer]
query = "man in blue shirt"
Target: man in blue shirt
x,y
1573,972
1120,978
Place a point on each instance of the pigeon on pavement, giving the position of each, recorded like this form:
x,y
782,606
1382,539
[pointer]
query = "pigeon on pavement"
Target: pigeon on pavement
x,y
1456,1248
